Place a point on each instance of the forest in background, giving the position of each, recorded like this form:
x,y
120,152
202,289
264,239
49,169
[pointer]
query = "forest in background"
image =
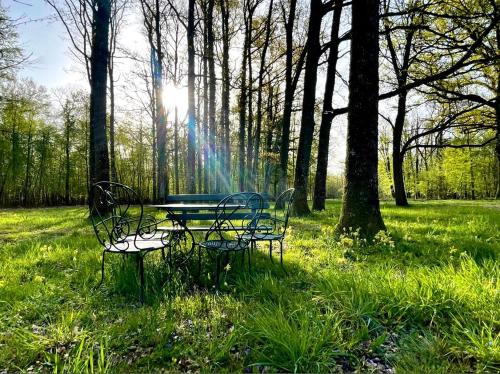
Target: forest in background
x,y
255,71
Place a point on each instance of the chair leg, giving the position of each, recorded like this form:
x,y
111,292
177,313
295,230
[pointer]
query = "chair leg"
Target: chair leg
x,y
141,271
163,254
170,261
249,260
271,250
281,257
217,271
199,262
102,270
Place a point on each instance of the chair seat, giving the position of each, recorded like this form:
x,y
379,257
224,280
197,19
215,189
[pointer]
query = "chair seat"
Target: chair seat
x,y
263,236
128,245
225,245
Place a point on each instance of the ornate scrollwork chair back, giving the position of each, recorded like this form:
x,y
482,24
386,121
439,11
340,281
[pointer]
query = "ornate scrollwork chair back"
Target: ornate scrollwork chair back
x,y
281,212
236,215
112,219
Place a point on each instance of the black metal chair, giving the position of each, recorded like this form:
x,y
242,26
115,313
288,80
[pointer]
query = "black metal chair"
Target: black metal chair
x,y
122,228
279,223
237,217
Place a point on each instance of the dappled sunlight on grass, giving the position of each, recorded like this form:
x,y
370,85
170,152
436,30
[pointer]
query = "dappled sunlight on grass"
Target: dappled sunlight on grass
x,y
422,298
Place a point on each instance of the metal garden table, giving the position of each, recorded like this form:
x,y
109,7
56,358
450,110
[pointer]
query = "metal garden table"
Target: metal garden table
x,y
196,211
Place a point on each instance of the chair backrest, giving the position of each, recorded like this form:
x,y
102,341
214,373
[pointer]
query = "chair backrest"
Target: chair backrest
x,y
240,213
281,212
114,223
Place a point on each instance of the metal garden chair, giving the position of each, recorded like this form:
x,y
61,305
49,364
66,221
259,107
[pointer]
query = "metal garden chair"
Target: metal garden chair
x,y
279,222
122,228
237,217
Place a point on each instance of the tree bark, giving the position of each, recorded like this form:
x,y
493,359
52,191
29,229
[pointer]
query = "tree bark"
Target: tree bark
x,y
199,149
27,177
206,147
191,149
300,206
269,140
152,22
289,93
401,73
327,117
397,154
260,87
112,160
155,150
211,98
99,158
114,27
225,102
497,119
242,107
176,151
360,206
68,124
161,126
250,182
225,98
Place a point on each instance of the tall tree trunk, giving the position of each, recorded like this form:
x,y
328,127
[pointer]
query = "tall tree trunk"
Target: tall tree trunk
x,y
67,145
401,72
397,155
176,151
250,182
199,150
497,121
243,107
155,150
116,16
225,102
417,173
327,117
161,126
472,178
260,87
191,150
26,187
211,95
87,144
497,107
206,147
99,159
112,160
497,193
300,206
360,206
152,24
289,93
269,140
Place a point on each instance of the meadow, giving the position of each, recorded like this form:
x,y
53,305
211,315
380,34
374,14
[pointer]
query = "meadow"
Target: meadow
x,y
422,298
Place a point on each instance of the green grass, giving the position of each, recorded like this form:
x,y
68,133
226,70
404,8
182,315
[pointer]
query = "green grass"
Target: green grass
x,y
424,298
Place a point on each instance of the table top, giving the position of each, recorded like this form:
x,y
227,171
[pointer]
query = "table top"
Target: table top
x,y
194,206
